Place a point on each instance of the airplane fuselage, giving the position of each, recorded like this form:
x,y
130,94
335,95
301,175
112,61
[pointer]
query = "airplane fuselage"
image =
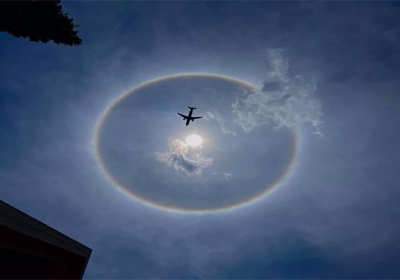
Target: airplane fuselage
x,y
189,117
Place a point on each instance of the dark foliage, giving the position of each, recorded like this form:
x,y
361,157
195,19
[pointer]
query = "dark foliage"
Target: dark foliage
x,y
40,21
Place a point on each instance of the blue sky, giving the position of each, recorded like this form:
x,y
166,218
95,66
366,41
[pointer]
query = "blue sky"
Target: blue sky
x,y
325,79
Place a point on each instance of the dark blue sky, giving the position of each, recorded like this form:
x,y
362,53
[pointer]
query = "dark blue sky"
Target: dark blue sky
x,y
326,71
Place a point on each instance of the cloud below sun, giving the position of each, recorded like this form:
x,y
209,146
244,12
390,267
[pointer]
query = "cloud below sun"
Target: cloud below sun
x,y
179,158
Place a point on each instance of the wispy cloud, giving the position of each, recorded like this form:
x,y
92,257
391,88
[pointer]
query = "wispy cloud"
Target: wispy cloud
x,y
209,116
223,124
178,158
281,101
227,175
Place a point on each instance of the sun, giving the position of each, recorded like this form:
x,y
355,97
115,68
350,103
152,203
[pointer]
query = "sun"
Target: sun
x,y
194,140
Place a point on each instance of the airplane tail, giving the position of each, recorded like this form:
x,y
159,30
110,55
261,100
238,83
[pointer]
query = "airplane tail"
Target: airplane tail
x,y
192,108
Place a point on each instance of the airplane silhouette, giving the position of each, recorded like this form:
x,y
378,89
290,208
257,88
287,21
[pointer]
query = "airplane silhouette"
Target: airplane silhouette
x,y
189,117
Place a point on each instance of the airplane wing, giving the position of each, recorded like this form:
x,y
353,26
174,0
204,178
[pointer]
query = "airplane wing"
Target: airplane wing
x,y
196,118
182,115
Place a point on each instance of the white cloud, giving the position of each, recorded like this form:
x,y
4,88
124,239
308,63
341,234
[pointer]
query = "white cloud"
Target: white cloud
x,y
178,158
227,175
216,116
209,116
281,101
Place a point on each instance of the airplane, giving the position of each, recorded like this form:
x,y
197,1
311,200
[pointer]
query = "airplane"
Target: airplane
x,y
189,117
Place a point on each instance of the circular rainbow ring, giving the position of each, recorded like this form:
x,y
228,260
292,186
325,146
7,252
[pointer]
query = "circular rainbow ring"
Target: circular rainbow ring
x,y
124,189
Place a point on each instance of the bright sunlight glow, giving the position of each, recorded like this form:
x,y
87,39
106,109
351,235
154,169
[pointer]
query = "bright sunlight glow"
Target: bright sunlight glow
x,y
194,140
